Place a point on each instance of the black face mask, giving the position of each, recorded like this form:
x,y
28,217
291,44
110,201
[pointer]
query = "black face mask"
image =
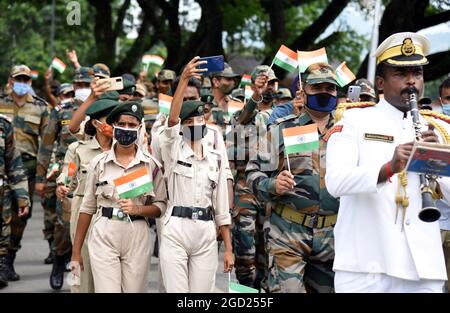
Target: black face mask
x,y
194,133
125,136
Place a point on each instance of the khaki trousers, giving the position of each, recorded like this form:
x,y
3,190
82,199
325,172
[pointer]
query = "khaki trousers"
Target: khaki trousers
x,y
188,255
120,255
86,279
446,245
161,288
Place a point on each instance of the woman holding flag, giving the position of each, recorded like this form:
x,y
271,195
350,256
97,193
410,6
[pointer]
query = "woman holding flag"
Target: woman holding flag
x,y
188,252
124,185
78,156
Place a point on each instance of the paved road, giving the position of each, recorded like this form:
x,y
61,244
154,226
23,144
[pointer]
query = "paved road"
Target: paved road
x,y
35,274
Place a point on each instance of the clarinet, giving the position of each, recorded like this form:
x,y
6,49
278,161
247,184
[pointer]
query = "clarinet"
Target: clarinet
x,y
429,212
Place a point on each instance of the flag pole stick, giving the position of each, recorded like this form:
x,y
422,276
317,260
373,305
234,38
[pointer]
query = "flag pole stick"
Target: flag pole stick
x,y
270,67
300,78
229,281
288,164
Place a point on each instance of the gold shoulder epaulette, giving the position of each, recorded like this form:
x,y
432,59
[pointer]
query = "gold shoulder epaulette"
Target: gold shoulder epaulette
x,y
342,107
440,116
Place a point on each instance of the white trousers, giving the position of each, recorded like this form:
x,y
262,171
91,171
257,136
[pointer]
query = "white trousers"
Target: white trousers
x,y
188,255
351,282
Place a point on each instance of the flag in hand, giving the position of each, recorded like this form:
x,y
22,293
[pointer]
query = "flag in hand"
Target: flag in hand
x,y
164,103
34,74
248,92
301,138
344,75
246,80
134,184
286,59
306,58
71,169
238,288
58,65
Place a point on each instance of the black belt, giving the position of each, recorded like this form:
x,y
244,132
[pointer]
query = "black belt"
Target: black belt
x,y
108,212
193,213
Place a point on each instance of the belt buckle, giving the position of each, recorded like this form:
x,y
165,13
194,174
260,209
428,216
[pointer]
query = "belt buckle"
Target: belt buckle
x,y
118,214
194,215
313,220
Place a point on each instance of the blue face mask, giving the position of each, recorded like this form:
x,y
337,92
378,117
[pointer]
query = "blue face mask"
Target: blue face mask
x,y
322,102
21,89
446,109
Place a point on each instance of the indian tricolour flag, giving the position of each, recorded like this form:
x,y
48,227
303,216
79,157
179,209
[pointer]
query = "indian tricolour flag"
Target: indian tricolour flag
x,y
301,138
152,59
286,59
134,184
234,106
238,288
248,92
58,65
344,75
306,58
34,74
246,80
164,102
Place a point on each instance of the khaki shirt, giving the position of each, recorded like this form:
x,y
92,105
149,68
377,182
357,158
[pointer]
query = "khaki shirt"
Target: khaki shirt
x,y
81,153
194,182
100,190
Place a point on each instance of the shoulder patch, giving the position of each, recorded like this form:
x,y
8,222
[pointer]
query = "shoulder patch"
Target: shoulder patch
x,y
6,118
342,107
285,118
40,101
332,130
439,116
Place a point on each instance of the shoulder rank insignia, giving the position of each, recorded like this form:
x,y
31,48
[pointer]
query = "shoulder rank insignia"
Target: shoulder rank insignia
x,y
285,118
332,130
6,118
342,107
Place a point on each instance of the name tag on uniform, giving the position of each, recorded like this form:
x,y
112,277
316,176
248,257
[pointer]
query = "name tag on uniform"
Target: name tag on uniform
x,y
184,164
379,137
65,122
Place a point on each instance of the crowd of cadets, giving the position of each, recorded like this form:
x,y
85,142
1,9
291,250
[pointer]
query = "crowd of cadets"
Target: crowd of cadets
x,y
219,173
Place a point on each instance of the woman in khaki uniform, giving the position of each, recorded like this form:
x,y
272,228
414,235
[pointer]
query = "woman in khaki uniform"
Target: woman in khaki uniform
x,y
119,242
81,153
198,198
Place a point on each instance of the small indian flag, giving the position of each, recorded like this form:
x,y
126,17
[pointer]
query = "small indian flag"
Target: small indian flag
x,y
53,170
248,92
306,58
164,102
234,106
34,74
58,65
301,138
134,184
344,75
286,59
238,288
152,59
246,79
71,169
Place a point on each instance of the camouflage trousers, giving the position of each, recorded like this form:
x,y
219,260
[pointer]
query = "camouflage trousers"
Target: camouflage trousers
x,y
13,226
300,257
248,238
446,245
48,202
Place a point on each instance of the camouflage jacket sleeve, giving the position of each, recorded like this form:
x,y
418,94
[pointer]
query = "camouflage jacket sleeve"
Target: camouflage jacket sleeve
x,y
49,134
14,169
261,172
246,115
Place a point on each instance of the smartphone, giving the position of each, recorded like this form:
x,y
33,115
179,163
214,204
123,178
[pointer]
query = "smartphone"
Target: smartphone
x,y
115,83
353,93
215,63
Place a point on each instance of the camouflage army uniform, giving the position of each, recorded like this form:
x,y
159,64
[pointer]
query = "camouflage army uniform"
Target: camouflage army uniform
x,y
56,223
248,242
12,174
29,122
300,238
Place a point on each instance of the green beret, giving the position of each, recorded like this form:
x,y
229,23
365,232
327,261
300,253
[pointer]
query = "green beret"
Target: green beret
x,y
129,87
191,108
104,104
132,108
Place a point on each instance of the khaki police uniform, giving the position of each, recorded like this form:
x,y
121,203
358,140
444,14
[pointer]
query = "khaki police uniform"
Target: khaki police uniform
x,y
188,251
81,153
119,250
